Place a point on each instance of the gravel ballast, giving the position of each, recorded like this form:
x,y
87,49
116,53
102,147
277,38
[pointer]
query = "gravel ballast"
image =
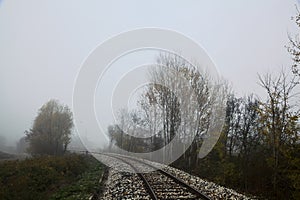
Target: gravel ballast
x,y
126,185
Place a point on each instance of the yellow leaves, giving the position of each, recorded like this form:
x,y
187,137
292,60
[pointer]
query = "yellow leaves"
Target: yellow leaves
x,y
51,129
294,118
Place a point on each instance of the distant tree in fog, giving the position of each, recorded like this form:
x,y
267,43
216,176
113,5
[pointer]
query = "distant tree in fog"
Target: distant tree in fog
x,y
2,141
22,145
51,131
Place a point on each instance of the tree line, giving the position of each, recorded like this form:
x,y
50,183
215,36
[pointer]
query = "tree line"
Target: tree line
x,y
258,150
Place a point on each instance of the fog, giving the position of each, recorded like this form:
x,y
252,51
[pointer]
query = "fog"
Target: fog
x,y
43,45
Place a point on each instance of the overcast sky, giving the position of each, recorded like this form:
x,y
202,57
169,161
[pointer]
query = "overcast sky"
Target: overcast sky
x,y
43,43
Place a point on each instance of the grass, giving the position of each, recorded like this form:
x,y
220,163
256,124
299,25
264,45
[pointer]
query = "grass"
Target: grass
x,y
86,185
63,177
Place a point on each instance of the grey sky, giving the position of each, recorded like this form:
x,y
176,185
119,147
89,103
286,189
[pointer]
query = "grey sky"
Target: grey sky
x,y
43,43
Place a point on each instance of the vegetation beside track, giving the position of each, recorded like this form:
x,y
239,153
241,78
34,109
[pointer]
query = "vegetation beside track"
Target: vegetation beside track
x,y
70,176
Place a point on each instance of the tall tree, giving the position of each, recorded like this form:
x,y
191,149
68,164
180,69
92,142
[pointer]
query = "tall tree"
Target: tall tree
x,y
180,102
51,130
279,116
241,135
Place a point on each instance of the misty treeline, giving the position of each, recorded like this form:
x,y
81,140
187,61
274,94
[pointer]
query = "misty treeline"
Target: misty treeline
x,y
51,131
258,150
179,101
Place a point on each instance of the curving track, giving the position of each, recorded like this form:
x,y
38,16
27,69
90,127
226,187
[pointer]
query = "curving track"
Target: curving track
x,y
161,184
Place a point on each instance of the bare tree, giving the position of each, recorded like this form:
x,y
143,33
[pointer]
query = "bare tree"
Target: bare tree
x,y
294,46
180,102
279,117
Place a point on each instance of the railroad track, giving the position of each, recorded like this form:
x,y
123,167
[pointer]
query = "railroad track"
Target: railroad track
x,y
159,183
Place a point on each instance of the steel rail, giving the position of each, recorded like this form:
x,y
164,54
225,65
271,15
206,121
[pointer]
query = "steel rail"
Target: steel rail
x,y
148,186
193,190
